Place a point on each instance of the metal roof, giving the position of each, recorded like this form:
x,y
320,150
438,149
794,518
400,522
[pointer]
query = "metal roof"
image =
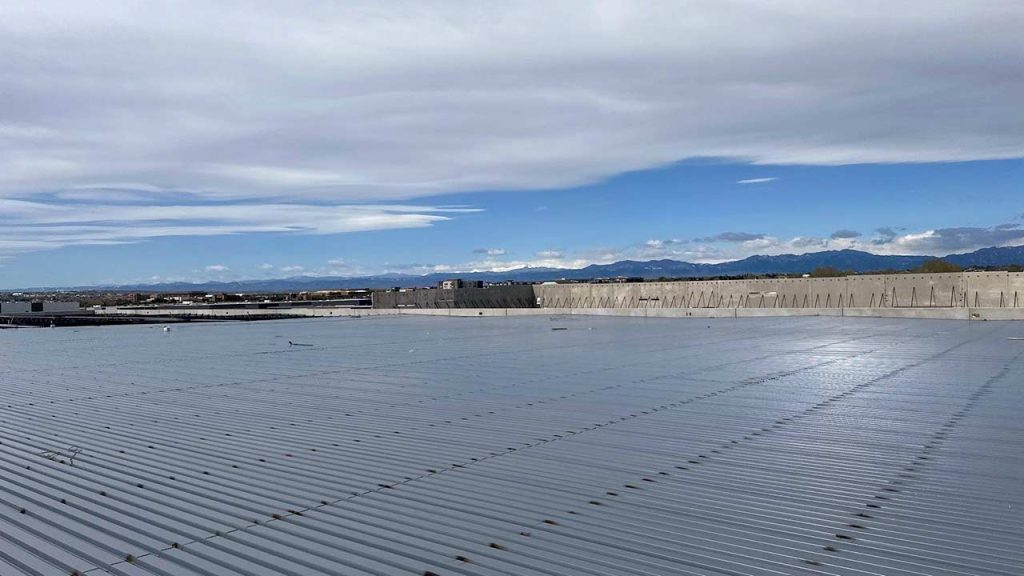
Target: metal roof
x,y
444,446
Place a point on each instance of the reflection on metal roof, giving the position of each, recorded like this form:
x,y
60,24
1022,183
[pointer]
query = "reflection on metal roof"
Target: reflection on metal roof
x,y
497,446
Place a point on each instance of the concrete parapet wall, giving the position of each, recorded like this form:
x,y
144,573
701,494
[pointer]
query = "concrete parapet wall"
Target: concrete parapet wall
x,y
954,290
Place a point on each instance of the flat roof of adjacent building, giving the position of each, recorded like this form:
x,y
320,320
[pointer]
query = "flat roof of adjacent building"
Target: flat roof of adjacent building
x,y
446,446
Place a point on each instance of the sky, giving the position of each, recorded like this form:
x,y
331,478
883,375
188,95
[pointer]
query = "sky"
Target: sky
x,y
170,141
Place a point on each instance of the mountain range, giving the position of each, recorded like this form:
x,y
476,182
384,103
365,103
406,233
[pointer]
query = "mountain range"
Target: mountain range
x,y
854,260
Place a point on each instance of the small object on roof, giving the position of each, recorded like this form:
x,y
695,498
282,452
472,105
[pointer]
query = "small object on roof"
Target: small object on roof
x,y
559,328
1016,338
290,343
167,328
66,456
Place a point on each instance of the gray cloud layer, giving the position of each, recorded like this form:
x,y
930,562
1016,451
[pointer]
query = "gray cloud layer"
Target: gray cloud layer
x,y
844,233
378,101
732,237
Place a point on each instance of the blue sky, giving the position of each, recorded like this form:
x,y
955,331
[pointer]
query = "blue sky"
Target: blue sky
x,y
673,212
370,137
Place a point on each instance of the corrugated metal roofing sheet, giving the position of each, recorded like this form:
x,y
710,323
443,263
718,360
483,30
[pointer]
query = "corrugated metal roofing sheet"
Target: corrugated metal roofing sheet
x,y
499,446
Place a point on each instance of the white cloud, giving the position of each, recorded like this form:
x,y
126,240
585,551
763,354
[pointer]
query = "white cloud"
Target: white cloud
x,y
359,101
657,244
266,266
942,241
550,254
294,269
756,180
217,268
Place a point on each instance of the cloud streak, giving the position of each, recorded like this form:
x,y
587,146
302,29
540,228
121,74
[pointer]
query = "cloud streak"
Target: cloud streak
x,y
733,237
30,225
490,251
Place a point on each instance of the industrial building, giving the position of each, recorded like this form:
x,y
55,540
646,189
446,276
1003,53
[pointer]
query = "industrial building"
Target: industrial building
x,y
24,307
458,296
538,445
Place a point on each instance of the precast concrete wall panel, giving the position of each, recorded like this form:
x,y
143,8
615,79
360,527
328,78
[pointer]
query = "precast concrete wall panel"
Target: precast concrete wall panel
x,y
1015,290
987,289
792,291
824,292
546,295
864,291
737,290
732,292
705,294
923,290
763,293
602,296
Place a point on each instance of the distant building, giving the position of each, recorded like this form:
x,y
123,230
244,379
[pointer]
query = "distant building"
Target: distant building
x,y
457,283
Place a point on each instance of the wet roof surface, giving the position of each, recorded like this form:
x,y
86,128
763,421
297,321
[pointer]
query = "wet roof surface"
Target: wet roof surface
x,y
500,446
